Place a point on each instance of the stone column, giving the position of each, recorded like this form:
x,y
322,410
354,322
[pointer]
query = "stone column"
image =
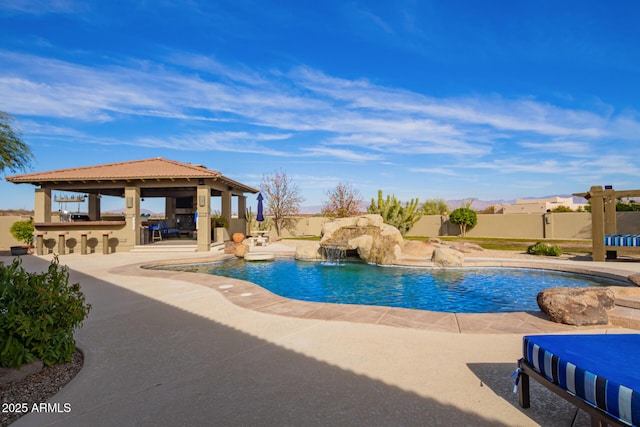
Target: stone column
x,y
42,205
94,207
226,206
242,213
132,216
203,201
170,211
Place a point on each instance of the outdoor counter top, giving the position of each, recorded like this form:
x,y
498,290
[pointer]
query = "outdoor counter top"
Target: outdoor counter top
x,y
75,224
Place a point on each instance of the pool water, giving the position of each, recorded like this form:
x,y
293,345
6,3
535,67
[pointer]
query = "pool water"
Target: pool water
x,y
453,290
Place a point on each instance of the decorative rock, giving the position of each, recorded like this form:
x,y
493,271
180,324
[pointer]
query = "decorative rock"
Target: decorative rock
x,y
229,247
415,248
241,250
447,257
434,241
635,279
308,252
577,306
374,241
466,248
237,237
8,375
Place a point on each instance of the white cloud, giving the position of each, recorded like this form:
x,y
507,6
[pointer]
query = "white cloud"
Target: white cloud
x,y
368,122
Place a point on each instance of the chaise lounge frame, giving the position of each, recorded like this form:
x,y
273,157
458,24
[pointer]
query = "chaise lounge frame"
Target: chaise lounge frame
x,y
599,418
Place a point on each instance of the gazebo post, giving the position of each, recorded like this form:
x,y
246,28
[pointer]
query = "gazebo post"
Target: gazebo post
x,y
42,206
203,200
226,211
597,222
94,207
132,214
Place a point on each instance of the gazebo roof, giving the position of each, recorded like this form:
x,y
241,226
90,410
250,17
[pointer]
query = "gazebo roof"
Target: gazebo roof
x,y
154,169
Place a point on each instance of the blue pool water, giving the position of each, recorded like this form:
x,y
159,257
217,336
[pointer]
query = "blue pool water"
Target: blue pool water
x,y
463,290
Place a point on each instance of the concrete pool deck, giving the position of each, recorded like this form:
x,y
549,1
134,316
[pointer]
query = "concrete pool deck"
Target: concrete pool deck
x,y
172,348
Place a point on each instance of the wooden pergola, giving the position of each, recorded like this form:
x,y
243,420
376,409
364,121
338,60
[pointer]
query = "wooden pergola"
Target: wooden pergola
x,y
603,218
187,189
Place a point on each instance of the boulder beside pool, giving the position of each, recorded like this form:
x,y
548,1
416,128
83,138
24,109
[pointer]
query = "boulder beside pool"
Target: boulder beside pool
x,y
577,306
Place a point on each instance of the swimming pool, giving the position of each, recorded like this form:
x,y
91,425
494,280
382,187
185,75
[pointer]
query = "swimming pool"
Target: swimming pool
x,y
453,290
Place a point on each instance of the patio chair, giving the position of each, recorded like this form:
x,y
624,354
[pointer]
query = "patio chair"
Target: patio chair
x,y
156,233
166,231
596,373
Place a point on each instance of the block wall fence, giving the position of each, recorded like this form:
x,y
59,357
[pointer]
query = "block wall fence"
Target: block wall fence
x,y
568,225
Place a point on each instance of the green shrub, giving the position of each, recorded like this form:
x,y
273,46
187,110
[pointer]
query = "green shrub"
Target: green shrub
x,y
22,231
544,249
464,218
217,220
39,312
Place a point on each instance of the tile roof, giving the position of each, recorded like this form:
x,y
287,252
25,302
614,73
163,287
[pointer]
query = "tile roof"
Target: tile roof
x,y
147,169
137,169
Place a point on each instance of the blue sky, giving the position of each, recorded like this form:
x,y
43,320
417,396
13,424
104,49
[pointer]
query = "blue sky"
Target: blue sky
x,y
428,99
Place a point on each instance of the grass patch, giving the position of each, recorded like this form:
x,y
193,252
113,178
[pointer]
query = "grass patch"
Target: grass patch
x,y
512,244
494,243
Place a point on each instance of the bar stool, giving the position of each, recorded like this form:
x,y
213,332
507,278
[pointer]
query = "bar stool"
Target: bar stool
x,y
155,232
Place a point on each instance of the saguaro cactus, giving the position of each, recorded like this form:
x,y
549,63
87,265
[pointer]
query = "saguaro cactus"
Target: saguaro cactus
x,y
393,213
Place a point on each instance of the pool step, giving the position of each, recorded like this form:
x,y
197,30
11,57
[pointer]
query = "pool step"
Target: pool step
x,y
629,301
626,313
163,248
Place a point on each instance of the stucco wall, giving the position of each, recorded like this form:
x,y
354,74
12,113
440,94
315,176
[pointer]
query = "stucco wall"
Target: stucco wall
x,y
6,239
566,225
529,226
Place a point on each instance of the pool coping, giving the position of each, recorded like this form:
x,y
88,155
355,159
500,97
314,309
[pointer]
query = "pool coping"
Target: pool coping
x,y
254,297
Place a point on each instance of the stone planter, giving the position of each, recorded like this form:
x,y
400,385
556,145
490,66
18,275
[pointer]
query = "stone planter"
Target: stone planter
x,y
19,250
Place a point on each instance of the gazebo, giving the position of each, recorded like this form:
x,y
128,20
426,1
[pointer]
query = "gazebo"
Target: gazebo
x,y
604,222
187,189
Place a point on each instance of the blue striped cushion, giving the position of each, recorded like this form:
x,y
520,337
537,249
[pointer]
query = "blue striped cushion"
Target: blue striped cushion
x,y
622,240
602,370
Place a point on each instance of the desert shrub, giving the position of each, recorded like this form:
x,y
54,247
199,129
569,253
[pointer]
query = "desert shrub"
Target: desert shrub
x,y
544,249
393,213
561,209
23,231
217,220
465,218
39,313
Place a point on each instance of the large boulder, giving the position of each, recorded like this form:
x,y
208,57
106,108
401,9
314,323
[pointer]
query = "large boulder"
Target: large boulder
x,y
414,248
308,252
447,257
577,306
635,279
241,250
237,249
373,240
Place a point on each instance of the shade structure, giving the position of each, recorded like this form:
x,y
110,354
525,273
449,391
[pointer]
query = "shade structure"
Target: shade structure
x,y
260,214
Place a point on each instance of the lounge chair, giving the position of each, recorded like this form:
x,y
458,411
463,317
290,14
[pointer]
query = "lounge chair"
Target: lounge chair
x,y
628,243
597,373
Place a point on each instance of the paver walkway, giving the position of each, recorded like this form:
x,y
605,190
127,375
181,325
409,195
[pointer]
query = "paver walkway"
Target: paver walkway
x,y
162,350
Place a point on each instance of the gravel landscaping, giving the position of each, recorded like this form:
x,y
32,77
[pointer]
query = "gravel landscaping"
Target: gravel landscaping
x,y
36,388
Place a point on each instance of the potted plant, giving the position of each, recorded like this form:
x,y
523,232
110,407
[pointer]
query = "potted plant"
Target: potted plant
x,y
219,226
22,231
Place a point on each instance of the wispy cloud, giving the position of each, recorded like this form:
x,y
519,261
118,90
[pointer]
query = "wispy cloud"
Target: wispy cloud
x,y
348,120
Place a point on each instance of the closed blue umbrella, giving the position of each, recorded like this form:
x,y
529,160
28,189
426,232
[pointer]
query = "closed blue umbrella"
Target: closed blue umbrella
x,y
260,214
